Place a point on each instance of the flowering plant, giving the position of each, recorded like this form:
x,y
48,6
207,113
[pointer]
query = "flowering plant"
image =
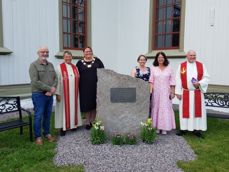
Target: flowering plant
x,y
118,139
130,139
148,133
121,139
98,135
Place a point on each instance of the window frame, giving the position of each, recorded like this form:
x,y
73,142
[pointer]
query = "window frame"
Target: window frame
x,y
166,33
77,53
173,52
3,50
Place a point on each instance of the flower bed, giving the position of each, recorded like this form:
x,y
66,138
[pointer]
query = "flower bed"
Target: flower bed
x,y
147,134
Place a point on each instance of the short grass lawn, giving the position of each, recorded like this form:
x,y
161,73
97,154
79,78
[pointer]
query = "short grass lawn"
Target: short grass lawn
x,y
18,154
213,151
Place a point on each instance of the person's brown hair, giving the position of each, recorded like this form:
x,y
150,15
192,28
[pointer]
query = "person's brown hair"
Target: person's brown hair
x,y
166,62
141,55
87,47
67,52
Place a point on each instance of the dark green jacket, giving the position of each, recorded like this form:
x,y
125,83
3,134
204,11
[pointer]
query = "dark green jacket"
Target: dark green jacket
x,y
43,77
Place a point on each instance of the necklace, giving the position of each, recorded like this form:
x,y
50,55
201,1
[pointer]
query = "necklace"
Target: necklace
x,y
88,64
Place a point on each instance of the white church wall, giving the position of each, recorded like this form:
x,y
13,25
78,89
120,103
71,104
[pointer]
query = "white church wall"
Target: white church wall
x,y
120,32
27,24
133,33
104,31
206,31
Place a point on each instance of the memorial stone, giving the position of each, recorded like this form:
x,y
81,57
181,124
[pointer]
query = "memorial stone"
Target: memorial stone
x,y
122,102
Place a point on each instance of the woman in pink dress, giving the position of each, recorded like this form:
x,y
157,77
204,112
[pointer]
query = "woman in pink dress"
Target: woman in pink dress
x,y
162,87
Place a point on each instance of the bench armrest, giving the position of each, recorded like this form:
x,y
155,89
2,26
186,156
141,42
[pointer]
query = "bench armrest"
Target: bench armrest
x,y
27,111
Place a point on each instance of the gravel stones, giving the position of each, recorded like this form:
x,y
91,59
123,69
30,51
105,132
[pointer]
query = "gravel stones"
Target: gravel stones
x,y
75,148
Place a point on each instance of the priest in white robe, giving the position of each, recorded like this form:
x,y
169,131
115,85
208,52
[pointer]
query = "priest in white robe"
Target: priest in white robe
x,y
67,111
191,82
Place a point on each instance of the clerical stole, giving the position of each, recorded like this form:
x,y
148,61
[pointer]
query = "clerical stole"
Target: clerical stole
x,y
65,77
197,92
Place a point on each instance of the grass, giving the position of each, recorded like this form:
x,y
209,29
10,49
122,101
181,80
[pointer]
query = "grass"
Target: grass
x,y
212,151
18,154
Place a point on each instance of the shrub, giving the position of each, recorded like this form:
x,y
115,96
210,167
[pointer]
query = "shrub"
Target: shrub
x,y
98,135
130,139
118,139
148,133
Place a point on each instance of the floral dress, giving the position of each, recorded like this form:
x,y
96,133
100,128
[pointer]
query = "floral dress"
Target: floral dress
x,y
162,112
143,75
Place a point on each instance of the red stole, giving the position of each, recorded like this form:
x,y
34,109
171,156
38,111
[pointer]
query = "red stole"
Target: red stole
x,y
65,77
197,92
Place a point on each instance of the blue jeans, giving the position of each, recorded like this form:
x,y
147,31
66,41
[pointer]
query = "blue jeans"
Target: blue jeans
x,y
42,113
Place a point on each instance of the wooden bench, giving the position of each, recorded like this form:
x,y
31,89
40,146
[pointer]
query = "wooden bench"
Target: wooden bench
x,y
217,100
11,107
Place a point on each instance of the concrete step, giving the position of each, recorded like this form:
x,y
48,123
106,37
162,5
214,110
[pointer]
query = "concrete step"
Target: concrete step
x,y
218,88
22,90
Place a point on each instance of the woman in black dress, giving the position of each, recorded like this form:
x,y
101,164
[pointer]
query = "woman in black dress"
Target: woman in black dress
x,y
88,84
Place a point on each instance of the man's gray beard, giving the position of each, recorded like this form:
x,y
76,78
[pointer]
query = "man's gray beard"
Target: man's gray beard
x,y
44,58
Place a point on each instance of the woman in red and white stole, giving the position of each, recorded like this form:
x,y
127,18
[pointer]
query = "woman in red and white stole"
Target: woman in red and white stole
x,y
67,112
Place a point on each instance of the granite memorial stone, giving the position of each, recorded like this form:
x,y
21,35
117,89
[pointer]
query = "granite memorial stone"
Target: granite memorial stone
x,y
122,95
122,102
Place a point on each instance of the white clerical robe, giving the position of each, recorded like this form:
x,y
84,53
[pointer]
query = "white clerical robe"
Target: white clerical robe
x,y
192,123
60,119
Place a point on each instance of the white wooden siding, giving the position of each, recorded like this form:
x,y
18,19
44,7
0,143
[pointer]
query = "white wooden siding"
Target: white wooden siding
x,y
27,24
120,32
210,42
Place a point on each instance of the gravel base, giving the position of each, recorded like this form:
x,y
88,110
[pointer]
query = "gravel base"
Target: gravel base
x,y
75,148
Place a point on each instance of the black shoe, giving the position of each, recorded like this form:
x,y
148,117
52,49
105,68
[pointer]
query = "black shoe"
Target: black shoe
x,y
88,126
199,134
180,133
74,129
62,133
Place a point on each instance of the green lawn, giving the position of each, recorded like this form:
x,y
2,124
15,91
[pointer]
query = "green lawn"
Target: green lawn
x,y
213,151
17,153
